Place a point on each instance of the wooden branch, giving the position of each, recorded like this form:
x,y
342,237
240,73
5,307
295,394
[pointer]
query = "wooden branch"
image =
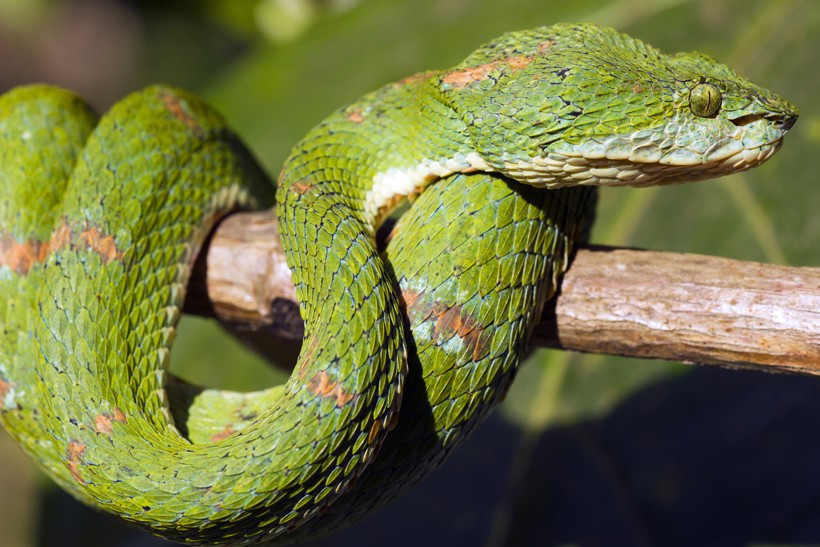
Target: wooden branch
x,y
679,307
688,308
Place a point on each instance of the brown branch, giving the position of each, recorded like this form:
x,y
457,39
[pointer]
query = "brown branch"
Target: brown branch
x,y
680,307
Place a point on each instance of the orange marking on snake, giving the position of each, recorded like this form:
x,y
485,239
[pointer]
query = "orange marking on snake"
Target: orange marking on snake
x,y
415,309
301,187
74,452
103,245
322,385
463,77
103,423
5,387
21,257
356,116
454,321
60,239
416,78
224,434
119,416
175,106
450,321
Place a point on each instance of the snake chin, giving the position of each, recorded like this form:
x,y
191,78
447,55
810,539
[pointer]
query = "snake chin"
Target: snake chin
x,y
671,155
557,170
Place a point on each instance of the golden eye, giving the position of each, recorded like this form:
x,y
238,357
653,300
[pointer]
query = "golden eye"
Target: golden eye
x,y
704,100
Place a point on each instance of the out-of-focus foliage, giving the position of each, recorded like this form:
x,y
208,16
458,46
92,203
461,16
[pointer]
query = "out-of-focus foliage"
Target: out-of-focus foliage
x,y
586,449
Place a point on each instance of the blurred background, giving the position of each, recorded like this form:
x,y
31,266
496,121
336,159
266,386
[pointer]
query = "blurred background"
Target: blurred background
x,y
586,450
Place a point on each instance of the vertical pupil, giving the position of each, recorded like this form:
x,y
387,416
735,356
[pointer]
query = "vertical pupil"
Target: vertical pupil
x,y
705,101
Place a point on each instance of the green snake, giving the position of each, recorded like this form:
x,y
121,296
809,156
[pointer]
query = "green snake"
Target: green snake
x,y
405,348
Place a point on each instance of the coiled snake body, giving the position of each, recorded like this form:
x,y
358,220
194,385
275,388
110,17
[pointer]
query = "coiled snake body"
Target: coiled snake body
x,y
100,222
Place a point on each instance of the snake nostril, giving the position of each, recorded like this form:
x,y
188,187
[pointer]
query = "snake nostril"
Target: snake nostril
x,y
788,121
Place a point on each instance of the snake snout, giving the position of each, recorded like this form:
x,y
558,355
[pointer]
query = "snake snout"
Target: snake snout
x,y
785,122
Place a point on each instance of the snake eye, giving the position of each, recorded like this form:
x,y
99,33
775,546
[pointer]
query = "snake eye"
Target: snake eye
x,y
704,100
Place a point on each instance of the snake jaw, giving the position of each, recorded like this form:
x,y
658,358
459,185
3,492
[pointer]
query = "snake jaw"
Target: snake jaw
x,y
644,165
678,151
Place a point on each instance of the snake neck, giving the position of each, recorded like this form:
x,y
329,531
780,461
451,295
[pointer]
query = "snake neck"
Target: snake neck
x,y
401,138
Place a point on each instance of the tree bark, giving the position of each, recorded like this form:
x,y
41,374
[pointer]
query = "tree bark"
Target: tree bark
x,y
679,307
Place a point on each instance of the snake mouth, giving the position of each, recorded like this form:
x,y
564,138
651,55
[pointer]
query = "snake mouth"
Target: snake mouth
x,y
781,122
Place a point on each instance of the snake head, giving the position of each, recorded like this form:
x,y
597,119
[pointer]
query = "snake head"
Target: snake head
x,y
581,104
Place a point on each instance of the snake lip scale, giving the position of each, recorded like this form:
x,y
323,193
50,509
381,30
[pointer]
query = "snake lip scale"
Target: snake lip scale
x,y
405,351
